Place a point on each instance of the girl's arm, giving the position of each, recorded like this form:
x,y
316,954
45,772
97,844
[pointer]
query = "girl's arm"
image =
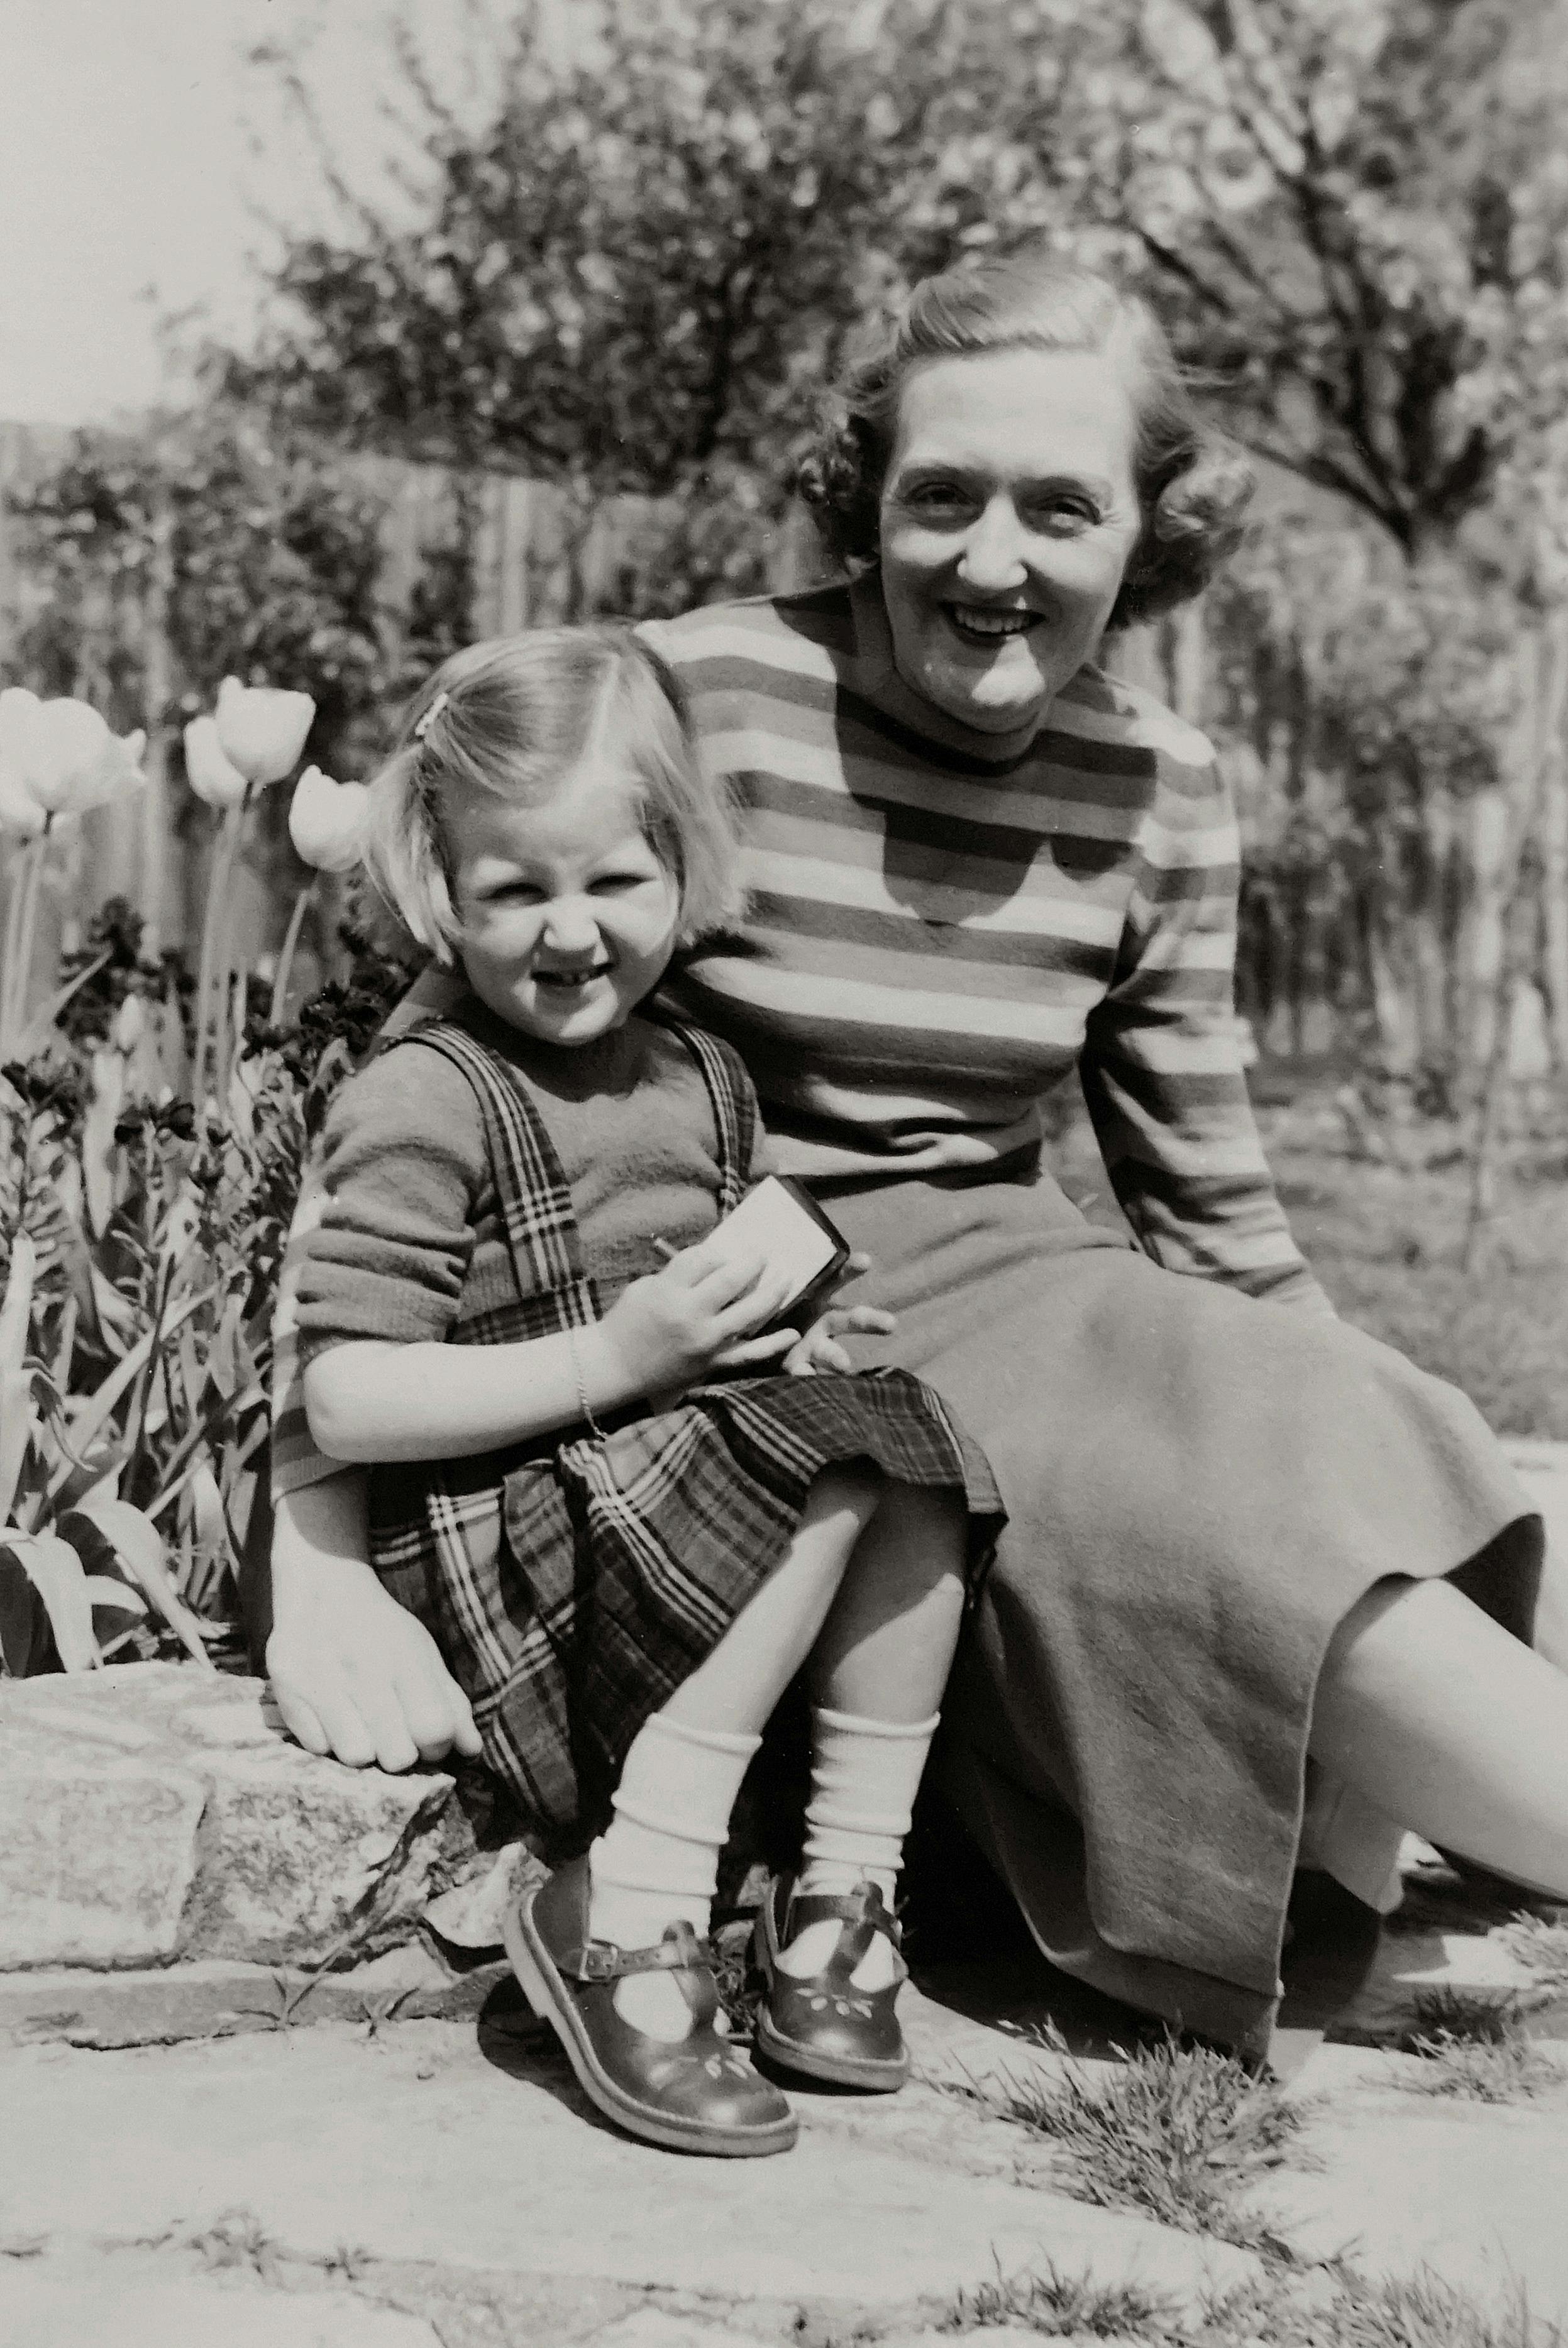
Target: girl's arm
x,y
371,1400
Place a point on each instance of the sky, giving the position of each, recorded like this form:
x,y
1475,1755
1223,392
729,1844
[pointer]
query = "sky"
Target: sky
x,y
139,150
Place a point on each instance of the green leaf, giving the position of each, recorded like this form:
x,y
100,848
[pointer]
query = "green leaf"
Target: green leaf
x,y
55,1570
100,1151
108,1590
17,1422
24,1625
16,1308
138,1546
97,1408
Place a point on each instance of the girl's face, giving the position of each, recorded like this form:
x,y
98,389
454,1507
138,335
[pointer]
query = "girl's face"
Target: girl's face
x,y
568,917
1008,516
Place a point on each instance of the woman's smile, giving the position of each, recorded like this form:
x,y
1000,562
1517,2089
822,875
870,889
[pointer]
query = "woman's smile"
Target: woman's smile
x,y
1008,516
988,627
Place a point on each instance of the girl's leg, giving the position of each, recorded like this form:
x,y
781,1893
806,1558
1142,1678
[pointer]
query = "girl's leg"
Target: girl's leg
x,y
877,1677
657,1862
1449,1724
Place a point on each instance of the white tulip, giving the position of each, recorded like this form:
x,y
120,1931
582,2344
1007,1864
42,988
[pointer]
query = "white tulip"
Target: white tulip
x,y
327,821
58,757
67,741
209,773
262,729
117,770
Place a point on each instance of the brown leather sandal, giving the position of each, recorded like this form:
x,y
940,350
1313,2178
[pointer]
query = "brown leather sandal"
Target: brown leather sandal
x,y
696,2095
820,2024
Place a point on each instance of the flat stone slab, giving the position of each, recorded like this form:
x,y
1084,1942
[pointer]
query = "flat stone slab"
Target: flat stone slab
x,y
214,1998
157,1812
69,2303
423,2145
1473,2190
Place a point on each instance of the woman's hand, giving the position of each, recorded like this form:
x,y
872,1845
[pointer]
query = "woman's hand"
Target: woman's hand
x,y
353,1673
697,1313
355,1676
819,1350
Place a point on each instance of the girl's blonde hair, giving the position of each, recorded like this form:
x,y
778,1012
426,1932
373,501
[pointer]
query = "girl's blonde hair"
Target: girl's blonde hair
x,y
1192,485
513,717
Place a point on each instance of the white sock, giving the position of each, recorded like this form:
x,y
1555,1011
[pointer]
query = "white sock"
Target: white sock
x,y
657,1862
864,1777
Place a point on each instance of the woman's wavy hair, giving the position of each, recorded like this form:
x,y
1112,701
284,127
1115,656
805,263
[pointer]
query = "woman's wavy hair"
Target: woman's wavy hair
x,y
514,716
1192,485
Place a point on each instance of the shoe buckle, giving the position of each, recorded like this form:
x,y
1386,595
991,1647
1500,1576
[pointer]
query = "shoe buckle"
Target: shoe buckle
x,y
598,1960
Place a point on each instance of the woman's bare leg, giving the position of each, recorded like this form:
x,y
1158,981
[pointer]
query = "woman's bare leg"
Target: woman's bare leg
x,y
1451,1726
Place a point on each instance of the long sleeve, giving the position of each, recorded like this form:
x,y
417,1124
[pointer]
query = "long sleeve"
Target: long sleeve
x,y
1161,1067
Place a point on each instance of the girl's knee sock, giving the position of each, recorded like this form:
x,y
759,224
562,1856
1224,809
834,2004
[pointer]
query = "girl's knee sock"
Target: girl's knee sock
x,y
864,1777
657,1862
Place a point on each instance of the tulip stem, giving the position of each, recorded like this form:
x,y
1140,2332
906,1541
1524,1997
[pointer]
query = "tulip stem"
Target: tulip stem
x,y
21,935
212,971
286,954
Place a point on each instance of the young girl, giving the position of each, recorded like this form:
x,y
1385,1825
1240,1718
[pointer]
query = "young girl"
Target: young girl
x,y
625,1527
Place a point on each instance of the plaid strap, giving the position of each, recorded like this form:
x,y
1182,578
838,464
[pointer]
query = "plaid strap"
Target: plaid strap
x,y
531,1193
734,1103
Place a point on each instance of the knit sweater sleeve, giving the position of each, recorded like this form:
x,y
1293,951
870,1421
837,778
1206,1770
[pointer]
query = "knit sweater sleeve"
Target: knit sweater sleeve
x,y
403,1162
1161,1067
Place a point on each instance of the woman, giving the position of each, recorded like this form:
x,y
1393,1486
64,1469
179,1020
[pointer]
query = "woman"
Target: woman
x,y
1239,1532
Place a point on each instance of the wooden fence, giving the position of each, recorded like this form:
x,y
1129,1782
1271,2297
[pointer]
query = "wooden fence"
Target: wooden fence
x,y
537,552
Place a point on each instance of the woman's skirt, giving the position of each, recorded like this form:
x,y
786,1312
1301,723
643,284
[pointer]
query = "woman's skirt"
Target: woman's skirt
x,y
617,1564
1199,1487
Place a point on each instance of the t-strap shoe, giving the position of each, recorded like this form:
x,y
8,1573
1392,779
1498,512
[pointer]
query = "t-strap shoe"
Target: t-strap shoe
x,y
695,2095
820,2024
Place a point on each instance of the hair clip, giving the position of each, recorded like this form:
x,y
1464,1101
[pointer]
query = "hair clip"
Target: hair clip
x,y
423,724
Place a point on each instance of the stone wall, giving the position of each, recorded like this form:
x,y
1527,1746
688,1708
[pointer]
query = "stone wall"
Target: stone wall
x,y
155,1814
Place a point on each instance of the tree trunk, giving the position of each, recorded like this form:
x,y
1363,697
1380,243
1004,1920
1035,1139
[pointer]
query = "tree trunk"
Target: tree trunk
x,y
1489,862
1429,939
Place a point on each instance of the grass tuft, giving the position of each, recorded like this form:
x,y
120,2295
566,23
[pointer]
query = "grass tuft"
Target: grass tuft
x,y
1062,2307
1476,2049
1177,2132
1471,2017
237,2238
1505,2071
1421,2311
1541,1944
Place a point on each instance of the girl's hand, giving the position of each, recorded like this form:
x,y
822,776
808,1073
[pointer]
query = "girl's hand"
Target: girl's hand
x,y
696,1314
819,1350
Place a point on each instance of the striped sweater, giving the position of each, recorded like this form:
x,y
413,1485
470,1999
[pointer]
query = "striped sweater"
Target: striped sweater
x,y
943,925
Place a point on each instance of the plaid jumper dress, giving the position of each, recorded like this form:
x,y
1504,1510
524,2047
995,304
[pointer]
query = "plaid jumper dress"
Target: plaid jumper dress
x,y
574,1581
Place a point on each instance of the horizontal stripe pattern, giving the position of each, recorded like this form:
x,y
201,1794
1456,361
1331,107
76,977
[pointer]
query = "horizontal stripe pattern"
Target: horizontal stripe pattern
x,y
937,940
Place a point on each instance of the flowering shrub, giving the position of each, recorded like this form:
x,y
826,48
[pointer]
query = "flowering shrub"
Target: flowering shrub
x,y
140,1245
153,1134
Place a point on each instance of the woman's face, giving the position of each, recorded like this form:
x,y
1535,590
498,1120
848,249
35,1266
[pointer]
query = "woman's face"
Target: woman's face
x,y
1008,516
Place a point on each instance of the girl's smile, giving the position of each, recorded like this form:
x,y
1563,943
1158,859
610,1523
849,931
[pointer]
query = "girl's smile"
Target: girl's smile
x,y
1008,515
568,917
